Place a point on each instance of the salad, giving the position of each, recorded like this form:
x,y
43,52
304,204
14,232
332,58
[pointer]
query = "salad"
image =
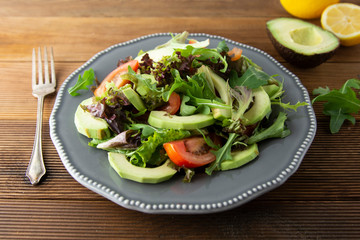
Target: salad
x,y
182,107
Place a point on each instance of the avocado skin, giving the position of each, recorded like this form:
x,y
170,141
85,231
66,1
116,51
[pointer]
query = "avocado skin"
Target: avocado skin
x,y
297,59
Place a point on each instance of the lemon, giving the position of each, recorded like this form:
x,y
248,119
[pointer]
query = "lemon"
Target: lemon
x,y
306,9
343,19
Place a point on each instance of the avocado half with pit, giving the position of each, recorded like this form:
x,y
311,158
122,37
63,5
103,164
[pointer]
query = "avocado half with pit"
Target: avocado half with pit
x,y
301,43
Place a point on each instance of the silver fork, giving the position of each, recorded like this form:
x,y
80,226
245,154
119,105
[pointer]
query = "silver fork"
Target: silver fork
x,y
41,87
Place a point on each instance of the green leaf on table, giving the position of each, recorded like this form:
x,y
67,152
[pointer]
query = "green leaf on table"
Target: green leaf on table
x,y
83,82
340,104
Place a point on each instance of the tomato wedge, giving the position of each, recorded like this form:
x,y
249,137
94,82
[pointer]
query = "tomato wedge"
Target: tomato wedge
x,y
173,104
235,53
115,76
189,152
192,41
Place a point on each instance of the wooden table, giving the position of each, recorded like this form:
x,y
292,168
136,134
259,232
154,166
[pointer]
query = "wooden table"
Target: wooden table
x,y
320,201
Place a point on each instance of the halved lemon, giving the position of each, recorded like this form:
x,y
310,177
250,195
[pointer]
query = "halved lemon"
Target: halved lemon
x,y
343,19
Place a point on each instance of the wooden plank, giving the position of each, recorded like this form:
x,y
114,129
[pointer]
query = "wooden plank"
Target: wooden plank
x,y
78,39
138,8
50,219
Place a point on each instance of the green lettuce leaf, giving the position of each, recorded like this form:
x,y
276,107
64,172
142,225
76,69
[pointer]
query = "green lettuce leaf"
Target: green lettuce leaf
x,y
143,155
203,54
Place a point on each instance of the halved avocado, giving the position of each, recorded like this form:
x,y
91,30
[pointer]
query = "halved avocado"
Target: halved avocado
x,y
301,43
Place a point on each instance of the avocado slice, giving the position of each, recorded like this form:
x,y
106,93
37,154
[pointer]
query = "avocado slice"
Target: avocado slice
x,y
273,90
219,84
301,43
133,97
260,108
240,158
126,170
162,119
88,125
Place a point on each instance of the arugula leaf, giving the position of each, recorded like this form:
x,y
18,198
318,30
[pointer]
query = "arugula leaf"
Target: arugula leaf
x,y
276,130
337,118
83,82
252,78
208,139
321,90
288,106
222,154
186,110
340,104
246,63
146,130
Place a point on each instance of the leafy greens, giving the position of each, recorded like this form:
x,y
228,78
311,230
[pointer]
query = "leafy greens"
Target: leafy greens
x,y
339,104
83,82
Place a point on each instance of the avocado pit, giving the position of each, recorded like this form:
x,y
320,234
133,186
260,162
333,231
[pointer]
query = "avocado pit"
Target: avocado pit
x,y
306,36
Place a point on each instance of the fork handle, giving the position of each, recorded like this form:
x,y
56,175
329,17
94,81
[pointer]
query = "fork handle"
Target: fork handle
x,y
36,168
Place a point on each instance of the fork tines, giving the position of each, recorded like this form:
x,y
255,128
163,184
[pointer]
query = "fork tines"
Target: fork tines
x,y
40,80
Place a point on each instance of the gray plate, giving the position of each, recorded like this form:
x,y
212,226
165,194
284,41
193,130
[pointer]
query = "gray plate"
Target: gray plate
x,y
278,159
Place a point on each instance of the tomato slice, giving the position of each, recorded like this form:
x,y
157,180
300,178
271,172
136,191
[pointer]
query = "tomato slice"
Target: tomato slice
x,y
235,53
173,104
189,152
115,76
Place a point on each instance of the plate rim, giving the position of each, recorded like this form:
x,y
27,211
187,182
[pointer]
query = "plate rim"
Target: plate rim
x,y
187,208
